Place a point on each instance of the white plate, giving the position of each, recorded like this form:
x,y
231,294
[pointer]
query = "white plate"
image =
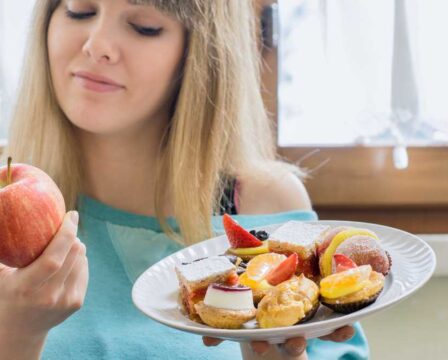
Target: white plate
x,y
155,291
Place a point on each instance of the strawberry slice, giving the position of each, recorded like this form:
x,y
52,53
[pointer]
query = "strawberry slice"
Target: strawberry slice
x,y
237,235
343,262
283,271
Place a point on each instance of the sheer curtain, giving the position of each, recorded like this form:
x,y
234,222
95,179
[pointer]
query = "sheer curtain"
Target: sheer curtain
x,y
14,24
368,72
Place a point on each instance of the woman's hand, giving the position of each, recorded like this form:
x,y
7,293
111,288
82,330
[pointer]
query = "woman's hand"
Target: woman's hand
x,y
292,348
40,296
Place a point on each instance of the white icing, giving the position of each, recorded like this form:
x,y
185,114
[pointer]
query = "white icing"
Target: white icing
x,y
299,233
202,269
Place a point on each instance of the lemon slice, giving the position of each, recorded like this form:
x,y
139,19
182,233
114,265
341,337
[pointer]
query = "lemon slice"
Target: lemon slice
x,y
263,249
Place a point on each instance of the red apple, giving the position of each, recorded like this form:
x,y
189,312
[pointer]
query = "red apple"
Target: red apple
x,y
31,212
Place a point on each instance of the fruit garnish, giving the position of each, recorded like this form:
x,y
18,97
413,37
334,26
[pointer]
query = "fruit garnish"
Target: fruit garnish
x,y
253,284
263,249
345,282
237,235
283,271
260,235
343,262
327,257
261,265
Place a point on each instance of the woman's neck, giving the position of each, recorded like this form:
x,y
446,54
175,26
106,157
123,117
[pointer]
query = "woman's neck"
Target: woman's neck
x,y
121,169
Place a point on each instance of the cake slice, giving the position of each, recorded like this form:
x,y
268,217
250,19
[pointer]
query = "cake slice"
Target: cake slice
x,y
300,238
195,277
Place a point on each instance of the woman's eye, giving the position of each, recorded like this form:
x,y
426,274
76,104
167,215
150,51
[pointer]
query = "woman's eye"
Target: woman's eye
x,y
147,31
79,15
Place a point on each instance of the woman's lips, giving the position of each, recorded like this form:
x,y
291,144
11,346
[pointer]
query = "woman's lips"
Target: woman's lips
x,y
96,83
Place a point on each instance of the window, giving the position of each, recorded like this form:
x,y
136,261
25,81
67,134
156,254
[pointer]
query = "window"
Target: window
x,y
371,72
14,22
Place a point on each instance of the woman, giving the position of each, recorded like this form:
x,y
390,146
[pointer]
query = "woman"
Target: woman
x,y
142,112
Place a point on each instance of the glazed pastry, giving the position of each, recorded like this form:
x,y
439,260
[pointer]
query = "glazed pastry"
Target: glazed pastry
x,y
351,288
244,244
360,245
291,302
195,277
226,307
300,238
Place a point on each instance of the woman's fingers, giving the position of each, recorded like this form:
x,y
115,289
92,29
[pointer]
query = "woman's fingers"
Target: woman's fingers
x,y
259,347
294,347
76,283
57,280
209,341
340,335
53,257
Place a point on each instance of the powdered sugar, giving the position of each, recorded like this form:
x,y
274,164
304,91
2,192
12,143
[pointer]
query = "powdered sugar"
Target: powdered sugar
x,y
205,268
298,232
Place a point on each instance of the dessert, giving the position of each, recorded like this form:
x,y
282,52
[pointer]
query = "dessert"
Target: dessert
x,y
194,279
243,243
300,238
226,307
256,271
277,282
352,287
292,301
360,245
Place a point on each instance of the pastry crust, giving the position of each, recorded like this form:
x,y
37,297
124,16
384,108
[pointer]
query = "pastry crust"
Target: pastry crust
x,y
360,299
288,303
223,318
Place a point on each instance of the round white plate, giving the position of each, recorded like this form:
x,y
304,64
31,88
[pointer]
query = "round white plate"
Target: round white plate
x,y
155,291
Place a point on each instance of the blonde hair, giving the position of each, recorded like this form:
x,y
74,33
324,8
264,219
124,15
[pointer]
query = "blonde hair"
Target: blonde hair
x,y
219,124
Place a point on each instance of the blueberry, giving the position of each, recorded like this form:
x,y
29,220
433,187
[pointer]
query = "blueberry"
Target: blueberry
x,y
262,235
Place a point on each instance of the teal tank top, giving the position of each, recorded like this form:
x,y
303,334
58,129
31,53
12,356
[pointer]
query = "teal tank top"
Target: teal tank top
x,y
120,246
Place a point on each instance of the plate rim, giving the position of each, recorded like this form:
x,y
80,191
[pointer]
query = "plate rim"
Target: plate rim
x,y
281,331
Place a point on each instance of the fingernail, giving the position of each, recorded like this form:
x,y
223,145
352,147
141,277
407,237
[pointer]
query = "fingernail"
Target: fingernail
x,y
295,351
74,216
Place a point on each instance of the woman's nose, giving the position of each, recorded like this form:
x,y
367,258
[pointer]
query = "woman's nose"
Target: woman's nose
x,y
101,45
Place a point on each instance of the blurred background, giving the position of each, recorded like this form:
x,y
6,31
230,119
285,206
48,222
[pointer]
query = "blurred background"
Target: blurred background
x,y
358,92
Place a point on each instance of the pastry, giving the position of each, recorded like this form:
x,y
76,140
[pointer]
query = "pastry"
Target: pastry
x,y
351,287
300,238
291,302
226,307
195,277
360,245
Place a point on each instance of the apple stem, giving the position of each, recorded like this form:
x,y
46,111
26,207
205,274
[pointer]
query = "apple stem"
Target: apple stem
x,y
8,176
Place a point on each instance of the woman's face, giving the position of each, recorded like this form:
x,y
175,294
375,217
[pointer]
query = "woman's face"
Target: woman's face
x,y
114,65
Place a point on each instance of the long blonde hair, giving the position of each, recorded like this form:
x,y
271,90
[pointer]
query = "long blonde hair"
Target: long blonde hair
x,y
219,123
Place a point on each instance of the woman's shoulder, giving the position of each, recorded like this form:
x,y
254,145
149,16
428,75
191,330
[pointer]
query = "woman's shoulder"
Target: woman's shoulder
x,y
268,192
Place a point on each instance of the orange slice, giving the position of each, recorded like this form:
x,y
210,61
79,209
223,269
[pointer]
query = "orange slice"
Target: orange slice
x,y
345,282
261,265
253,284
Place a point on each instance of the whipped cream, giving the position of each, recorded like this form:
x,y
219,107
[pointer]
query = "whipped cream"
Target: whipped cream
x,y
224,297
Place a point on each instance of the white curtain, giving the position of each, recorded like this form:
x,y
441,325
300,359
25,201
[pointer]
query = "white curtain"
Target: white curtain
x,y
363,72
14,25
